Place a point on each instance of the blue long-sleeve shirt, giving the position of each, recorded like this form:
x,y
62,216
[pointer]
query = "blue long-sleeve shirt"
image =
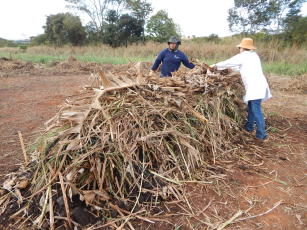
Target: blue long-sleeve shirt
x,y
171,61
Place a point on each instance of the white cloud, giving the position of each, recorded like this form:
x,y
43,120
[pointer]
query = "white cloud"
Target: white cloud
x,y
197,17
20,19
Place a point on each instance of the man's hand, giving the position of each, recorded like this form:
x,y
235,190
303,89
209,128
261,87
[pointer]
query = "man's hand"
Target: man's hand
x,y
213,68
226,71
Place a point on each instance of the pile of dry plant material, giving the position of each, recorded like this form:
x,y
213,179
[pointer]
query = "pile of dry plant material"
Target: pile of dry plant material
x,y
72,64
293,84
124,145
8,65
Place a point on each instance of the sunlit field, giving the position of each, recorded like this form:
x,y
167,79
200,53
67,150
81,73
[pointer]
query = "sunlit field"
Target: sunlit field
x,y
276,58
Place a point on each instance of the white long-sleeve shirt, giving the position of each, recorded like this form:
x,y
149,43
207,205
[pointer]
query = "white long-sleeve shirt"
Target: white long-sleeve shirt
x,y
249,65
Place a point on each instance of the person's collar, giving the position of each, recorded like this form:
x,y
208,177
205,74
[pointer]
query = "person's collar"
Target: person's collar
x,y
173,50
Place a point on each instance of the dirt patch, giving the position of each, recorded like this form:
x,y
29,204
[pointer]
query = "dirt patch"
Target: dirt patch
x,y
26,104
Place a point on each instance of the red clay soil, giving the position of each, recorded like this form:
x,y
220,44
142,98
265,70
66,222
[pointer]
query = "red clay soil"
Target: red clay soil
x,y
26,102
277,178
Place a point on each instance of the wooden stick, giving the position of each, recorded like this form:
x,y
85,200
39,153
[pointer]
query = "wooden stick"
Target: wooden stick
x,y
235,216
126,218
262,214
65,199
165,178
39,220
25,156
51,212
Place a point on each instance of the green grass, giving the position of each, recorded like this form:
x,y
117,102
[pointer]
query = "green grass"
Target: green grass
x,y
287,69
34,58
277,67
43,139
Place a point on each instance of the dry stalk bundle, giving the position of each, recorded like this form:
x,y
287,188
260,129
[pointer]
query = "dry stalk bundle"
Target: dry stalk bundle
x,y
129,143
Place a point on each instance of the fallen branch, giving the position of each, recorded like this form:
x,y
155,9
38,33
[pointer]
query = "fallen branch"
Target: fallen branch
x,y
261,214
231,220
25,156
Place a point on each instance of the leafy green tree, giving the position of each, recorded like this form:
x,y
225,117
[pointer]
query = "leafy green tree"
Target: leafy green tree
x,y
111,33
65,28
92,36
38,40
295,31
54,29
74,31
160,27
130,29
140,9
103,28
121,30
250,16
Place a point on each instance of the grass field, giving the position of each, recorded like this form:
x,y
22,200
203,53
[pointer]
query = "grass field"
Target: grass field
x,y
275,58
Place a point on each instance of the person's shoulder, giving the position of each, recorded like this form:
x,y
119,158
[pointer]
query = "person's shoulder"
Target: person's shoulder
x,y
180,52
250,52
247,54
164,51
253,54
239,55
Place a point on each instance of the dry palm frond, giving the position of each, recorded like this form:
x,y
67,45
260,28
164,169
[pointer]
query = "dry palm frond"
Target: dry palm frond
x,y
133,142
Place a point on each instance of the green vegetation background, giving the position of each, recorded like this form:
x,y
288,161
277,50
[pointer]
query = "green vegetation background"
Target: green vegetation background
x,y
276,57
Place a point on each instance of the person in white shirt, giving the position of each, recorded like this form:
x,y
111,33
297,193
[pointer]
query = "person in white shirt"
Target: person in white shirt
x,y
255,84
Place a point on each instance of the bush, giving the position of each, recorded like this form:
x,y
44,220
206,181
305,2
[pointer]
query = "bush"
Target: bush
x,y
23,47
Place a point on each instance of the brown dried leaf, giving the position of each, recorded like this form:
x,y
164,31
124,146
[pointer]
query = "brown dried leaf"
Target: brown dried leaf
x,y
22,184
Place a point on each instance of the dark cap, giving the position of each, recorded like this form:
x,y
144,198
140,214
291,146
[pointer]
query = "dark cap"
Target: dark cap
x,y
173,39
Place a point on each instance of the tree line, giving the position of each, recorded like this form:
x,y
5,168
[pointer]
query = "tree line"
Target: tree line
x,y
112,22
122,22
270,19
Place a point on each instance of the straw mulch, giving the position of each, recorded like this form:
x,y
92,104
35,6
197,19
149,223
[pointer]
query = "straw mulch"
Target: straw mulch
x,y
124,145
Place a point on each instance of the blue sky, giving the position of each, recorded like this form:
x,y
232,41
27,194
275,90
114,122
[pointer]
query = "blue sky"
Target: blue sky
x,y
20,19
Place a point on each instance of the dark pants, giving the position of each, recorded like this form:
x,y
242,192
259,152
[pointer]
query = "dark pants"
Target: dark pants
x,y
255,116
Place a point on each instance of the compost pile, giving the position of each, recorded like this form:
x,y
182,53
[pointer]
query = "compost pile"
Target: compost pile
x,y
124,145
7,64
73,65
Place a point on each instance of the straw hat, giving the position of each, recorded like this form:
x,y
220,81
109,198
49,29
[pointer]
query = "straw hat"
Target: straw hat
x,y
247,43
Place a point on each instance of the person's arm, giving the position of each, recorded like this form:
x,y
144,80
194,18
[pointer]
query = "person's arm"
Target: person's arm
x,y
233,63
186,62
158,61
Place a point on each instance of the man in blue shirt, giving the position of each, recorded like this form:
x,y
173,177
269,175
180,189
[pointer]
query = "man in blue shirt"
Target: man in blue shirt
x,y
171,59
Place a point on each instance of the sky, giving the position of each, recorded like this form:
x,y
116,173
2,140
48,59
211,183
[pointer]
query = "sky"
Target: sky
x,y
21,19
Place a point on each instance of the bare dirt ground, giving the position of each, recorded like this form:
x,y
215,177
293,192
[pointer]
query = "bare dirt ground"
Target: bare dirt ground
x,y
25,104
272,192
